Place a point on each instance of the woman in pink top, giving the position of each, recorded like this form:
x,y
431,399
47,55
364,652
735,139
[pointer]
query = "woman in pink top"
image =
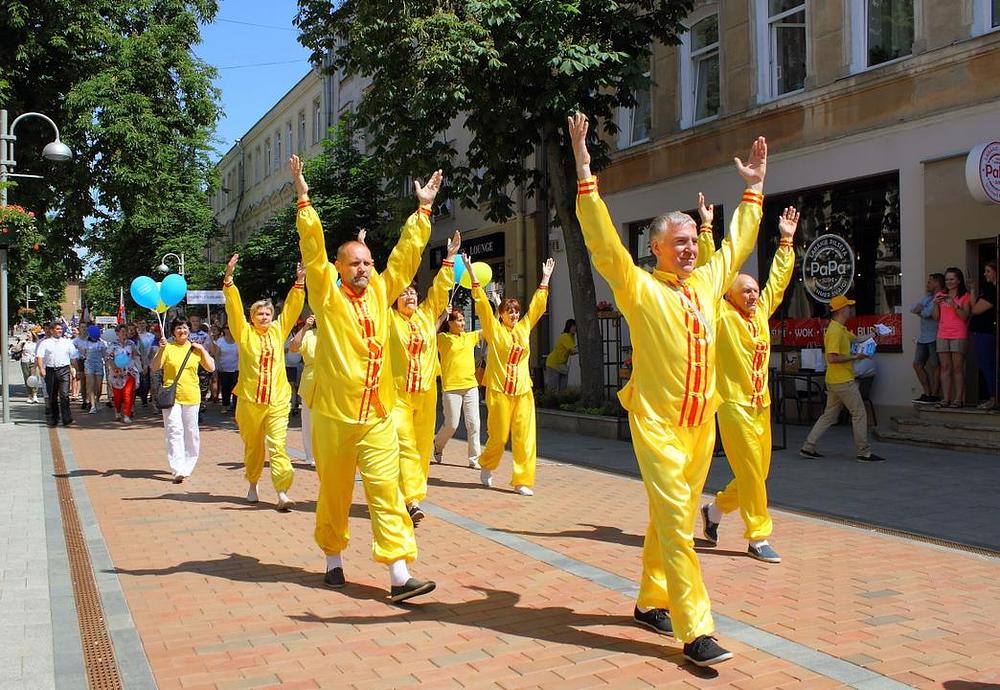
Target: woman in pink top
x,y
952,309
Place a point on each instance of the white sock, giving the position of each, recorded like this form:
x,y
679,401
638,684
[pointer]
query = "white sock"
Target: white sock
x,y
714,514
398,573
334,561
643,609
758,544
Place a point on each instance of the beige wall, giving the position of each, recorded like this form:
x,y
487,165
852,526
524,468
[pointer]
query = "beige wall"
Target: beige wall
x,y
953,218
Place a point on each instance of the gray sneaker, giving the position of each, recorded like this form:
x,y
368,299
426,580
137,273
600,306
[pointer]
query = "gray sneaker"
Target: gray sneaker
x,y
763,553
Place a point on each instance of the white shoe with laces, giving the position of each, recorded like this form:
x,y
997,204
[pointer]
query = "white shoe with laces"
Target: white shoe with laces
x,y
486,478
252,494
524,491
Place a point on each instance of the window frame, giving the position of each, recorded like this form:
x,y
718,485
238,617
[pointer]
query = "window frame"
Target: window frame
x,y
689,76
277,149
766,42
626,118
859,37
317,112
269,152
982,18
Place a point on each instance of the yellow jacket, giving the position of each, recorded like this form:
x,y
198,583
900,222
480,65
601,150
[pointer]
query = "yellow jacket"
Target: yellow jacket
x,y
308,351
353,376
671,321
561,352
509,348
458,360
262,355
413,340
745,339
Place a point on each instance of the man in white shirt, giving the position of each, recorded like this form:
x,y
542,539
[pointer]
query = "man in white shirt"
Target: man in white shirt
x,y
54,356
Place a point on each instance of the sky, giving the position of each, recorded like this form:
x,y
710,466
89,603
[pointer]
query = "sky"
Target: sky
x,y
246,40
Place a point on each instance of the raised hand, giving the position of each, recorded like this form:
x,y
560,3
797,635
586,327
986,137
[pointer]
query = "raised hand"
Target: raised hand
x,y
755,169
707,213
578,127
788,222
428,192
468,265
547,268
295,166
362,234
454,244
300,273
231,266
310,321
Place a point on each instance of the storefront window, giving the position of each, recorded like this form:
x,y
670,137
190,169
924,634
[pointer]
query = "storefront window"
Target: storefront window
x,y
862,215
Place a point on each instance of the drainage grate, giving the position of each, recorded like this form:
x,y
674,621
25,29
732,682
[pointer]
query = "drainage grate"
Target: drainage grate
x,y
98,652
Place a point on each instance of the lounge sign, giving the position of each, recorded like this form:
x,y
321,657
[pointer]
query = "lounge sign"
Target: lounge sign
x,y
982,173
828,267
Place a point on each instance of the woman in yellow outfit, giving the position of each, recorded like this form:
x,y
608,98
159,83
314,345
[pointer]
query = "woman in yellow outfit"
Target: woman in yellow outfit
x,y
304,343
413,354
510,403
671,397
459,387
557,363
744,352
262,388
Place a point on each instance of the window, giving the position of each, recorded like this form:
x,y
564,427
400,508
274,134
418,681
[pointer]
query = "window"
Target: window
x,y
288,138
277,150
250,162
302,131
267,157
986,16
882,31
317,122
700,86
781,47
634,123
256,165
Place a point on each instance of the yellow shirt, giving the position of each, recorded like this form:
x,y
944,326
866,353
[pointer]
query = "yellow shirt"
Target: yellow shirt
x,y
353,374
560,353
458,360
837,339
745,339
308,351
262,355
188,390
509,348
413,341
671,320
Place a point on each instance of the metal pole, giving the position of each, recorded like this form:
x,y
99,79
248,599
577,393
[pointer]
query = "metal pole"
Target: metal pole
x,y
3,271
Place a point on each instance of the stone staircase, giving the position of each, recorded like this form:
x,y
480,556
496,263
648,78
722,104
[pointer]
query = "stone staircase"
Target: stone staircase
x,y
965,429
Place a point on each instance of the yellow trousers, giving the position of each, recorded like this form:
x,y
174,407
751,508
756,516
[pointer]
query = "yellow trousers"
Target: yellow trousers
x,y
340,449
263,429
511,415
746,436
674,462
415,415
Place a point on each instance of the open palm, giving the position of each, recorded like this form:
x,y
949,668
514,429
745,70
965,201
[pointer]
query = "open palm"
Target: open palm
x,y
754,170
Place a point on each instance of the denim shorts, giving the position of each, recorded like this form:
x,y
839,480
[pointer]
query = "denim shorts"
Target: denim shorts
x,y
926,352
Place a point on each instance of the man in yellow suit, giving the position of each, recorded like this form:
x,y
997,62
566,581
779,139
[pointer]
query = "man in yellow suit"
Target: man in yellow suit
x,y
414,354
744,351
671,396
262,390
353,395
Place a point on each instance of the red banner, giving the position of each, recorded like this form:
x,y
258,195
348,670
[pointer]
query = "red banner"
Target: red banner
x,y
809,332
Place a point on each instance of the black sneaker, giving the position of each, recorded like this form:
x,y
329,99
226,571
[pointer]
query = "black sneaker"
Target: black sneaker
x,y
870,458
335,578
809,453
705,651
710,530
416,514
924,398
412,588
657,620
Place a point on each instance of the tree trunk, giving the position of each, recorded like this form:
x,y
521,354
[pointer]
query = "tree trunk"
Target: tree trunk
x,y
581,276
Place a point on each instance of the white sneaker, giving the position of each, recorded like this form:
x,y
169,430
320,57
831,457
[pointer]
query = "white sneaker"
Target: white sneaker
x,y
486,478
127,420
524,491
284,502
118,416
474,464
93,409
252,494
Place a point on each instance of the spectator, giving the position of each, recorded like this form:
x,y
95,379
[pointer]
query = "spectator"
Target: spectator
x,y
76,380
93,365
304,343
925,359
227,356
53,358
215,330
459,388
293,360
557,363
147,346
180,361
983,329
124,379
199,334
29,368
952,309
80,343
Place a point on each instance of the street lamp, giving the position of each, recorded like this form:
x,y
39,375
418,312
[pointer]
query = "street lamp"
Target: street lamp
x,y
53,151
163,268
27,295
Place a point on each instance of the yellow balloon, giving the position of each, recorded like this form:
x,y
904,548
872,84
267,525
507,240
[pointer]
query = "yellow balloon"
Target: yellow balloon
x,y
161,307
484,274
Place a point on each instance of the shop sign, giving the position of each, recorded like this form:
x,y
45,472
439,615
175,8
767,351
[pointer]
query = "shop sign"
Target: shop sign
x,y
828,268
483,248
982,173
809,332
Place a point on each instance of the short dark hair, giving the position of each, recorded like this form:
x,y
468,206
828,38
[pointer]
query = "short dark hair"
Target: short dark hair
x,y
939,277
569,324
177,322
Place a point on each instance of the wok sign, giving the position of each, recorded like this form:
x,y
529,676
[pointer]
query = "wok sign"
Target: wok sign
x,y
828,267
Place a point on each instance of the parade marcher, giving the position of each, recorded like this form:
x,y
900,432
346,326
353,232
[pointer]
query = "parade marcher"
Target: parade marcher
x,y
293,360
29,368
671,397
304,343
510,402
147,349
201,335
179,361
227,356
124,380
459,388
93,365
262,389
53,358
80,343
557,362
743,354
414,363
353,396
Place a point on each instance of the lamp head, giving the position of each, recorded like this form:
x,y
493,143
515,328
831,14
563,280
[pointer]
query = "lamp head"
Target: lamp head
x,y
163,268
57,151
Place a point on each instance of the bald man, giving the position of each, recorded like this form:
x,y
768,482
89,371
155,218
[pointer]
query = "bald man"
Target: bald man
x,y
744,350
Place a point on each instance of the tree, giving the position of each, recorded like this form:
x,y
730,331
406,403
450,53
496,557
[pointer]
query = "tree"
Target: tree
x,y
512,70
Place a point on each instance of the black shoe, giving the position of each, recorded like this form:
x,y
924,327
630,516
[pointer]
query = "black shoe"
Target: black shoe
x,y
870,458
84,406
412,588
335,578
710,530
933,398
705,651
657,620
68,422
809,453
924,398
416,514
52,423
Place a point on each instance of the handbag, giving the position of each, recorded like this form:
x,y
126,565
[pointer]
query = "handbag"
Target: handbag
x,y
165,396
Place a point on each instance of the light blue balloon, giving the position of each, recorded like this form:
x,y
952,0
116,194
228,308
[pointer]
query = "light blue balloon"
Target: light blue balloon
x,y
145,293
121,359
459,270
173,289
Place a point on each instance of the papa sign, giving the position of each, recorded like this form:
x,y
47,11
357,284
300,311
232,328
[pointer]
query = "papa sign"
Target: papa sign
x,y
828,267
982,173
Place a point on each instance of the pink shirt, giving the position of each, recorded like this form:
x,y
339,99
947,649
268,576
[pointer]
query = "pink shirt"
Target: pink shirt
x,y
950,325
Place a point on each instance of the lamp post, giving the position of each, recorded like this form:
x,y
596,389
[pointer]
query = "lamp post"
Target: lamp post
x,y
163,268
53,151
27,295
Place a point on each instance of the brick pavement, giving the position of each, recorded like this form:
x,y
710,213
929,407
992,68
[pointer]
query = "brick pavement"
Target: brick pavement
x,y
229,595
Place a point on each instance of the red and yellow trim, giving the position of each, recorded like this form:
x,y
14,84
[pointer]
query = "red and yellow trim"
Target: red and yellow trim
x,y
705,227
424,210
588,186
787,243
752,197
302,203
694,403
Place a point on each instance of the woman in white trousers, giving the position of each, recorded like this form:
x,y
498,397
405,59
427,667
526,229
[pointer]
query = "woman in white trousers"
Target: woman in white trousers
x,y
304,342
459,388
180,421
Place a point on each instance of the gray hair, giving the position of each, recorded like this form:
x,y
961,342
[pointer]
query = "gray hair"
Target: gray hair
x,y
661,224
261,304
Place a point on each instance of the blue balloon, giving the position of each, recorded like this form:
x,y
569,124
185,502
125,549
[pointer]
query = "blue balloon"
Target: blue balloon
x,y
173,289
459,270
121,359
94,332
145,292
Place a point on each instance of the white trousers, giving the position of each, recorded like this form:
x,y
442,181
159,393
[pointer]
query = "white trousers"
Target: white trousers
x,y
455,403
307,439
180,424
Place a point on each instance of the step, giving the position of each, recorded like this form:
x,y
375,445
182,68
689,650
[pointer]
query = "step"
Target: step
x,y
936,441
962,414
951,428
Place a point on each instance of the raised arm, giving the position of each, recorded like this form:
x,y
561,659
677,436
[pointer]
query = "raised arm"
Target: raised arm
x,y
541,297
783,263
293,303
296,343
319,272
234,305
706,241
405,257
487,320
437,296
